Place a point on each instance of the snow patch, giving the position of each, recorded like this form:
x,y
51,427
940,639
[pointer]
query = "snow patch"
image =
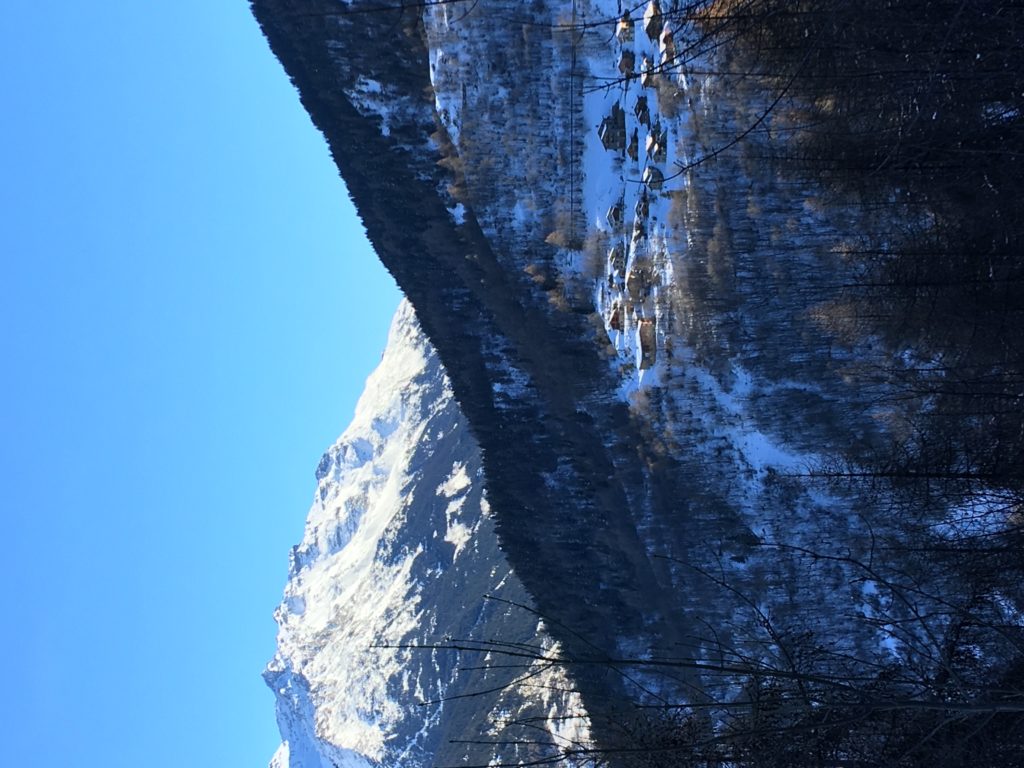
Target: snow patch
x,y
457,482
458,213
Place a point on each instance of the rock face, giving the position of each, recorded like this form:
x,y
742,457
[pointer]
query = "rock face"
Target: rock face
x,y
645,358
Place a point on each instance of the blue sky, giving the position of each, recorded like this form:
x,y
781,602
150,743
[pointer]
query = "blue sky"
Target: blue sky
x,y
189,310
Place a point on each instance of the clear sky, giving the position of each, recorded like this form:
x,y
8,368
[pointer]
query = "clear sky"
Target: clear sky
x,y
189,310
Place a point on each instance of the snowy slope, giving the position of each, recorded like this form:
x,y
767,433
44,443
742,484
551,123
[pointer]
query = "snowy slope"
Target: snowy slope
x,y
398,549
647,255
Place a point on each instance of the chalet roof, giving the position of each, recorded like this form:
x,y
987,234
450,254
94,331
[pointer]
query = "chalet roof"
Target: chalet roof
x,y
651,142
653,177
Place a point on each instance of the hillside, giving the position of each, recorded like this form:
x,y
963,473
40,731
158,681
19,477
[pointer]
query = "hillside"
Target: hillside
x,y
729,297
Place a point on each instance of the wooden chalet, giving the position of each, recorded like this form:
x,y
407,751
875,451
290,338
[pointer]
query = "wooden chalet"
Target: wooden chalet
x,y
668,47
615,317
612,131
648,344
653,20
646,72
615,216
643,206
642,111
653,177
656,144
627,62
638,283
624,30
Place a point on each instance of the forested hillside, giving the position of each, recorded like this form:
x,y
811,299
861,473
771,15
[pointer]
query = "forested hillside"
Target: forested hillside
x,y
731,297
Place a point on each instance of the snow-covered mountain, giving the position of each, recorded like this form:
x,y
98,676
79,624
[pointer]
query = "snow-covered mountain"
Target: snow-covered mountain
x,y
735,443
400,549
